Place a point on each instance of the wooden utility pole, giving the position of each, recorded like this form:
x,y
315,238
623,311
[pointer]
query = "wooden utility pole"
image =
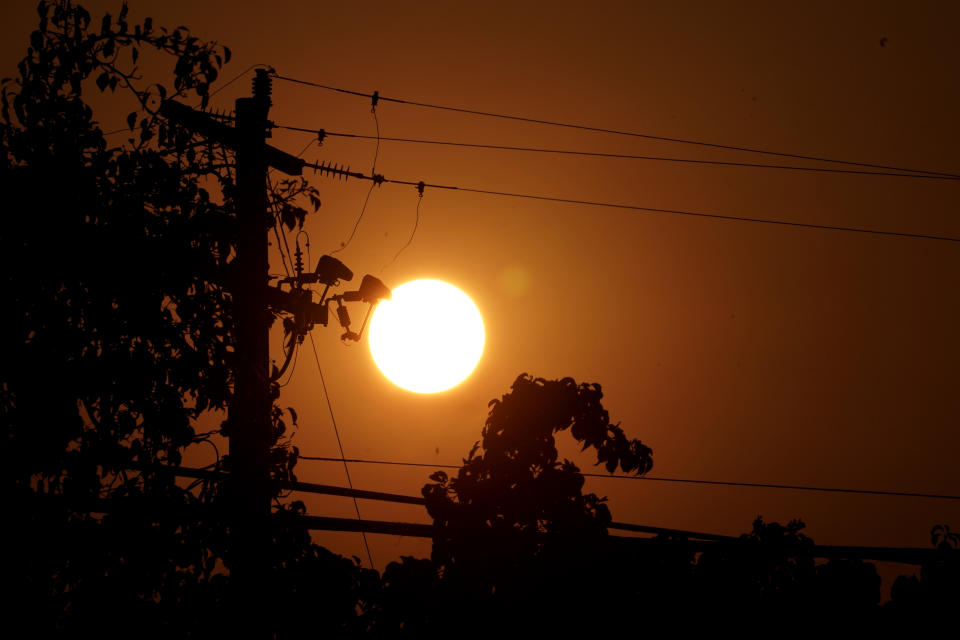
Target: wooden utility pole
x,y
249,414
248,427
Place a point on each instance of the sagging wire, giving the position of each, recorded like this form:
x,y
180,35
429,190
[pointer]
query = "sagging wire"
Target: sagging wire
x,y
206,438
420,187
293,365
374,99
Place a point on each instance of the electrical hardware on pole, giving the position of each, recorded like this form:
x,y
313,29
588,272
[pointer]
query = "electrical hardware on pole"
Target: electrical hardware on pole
x,y
248,427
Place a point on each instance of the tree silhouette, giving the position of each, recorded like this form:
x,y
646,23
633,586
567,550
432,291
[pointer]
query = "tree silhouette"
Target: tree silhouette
x,y
513,526
118,340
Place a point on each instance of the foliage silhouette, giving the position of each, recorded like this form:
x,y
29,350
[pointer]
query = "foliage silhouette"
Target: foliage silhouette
x,y
511,527
118,342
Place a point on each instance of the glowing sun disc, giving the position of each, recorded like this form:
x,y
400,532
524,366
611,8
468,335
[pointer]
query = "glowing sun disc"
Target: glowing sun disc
x,y
428,337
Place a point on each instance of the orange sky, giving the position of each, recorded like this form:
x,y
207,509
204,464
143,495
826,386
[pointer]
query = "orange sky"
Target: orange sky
x,y
737,351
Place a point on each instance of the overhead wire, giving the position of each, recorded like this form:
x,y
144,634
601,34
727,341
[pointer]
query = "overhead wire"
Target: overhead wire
x,y
620,132
326,394
325,169
238,76
212,93
284,258
336,430
620,156
715,216
729,483
293,366
416,223
373,171
307,146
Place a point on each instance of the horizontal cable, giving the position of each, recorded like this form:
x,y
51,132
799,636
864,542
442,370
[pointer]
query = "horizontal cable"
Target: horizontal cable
x,y
707,542
694,540
618,156
611,131
328,170
350,492
758,485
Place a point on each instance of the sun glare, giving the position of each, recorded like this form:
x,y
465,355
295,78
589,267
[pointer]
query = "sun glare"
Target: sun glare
x,y
428,338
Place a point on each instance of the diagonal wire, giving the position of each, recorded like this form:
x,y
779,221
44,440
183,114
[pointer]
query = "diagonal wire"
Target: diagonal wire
x,y
619,132
326,395
326,170
237,77
716,216
626,156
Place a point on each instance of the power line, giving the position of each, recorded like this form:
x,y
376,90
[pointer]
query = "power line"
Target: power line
x,y
237,77
712,215
614,131
326,395
695,542
413,233
210,95
373,171
326,169
728,483
893,554
618,156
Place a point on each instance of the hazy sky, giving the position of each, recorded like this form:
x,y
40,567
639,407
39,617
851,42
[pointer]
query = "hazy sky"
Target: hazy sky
x,y
737,351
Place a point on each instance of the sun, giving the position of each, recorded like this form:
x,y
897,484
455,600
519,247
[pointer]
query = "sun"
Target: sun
x,y
428,337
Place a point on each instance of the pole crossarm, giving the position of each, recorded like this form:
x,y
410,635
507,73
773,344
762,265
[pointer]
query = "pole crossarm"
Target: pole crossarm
x,y
206,125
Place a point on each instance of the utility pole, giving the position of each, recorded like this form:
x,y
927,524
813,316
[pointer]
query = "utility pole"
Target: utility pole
x,y
248,428
249,413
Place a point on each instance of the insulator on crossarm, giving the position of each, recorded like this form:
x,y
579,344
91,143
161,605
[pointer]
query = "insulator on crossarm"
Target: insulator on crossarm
x,y
331,169
262,85
298,262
